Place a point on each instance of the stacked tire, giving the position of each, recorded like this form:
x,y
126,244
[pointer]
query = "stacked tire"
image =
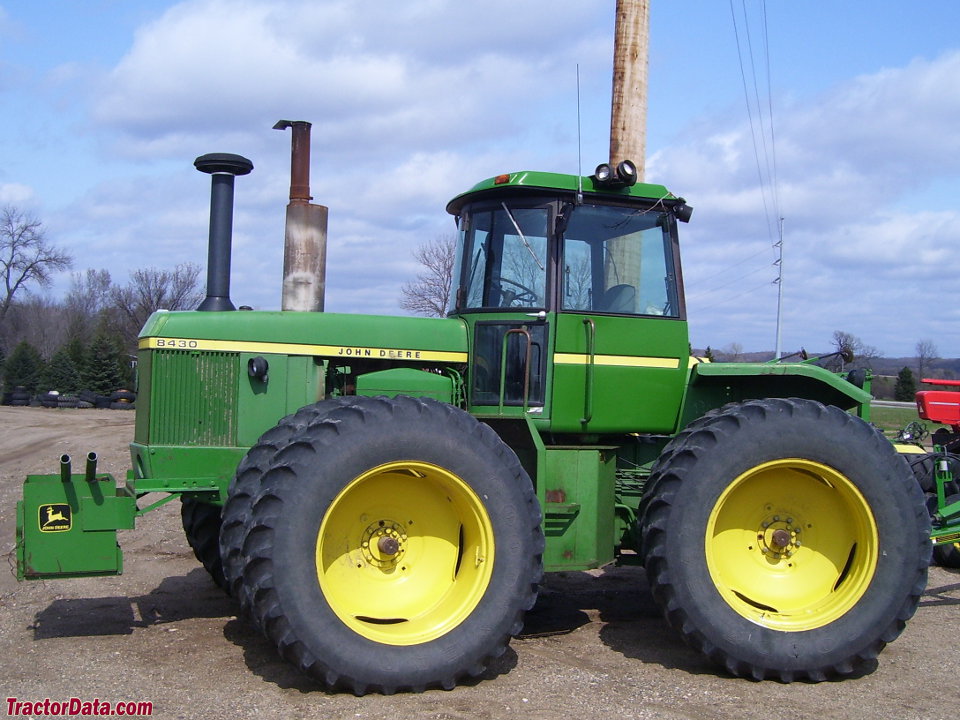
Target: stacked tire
x,y
49,399
20,397
122,400
54,399
86,399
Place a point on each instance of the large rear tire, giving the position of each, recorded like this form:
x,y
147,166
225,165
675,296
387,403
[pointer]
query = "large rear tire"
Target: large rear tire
x,y
393,544
785,539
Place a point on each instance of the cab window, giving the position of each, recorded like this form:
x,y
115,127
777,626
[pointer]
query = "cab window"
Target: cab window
x,y
618,260
505,253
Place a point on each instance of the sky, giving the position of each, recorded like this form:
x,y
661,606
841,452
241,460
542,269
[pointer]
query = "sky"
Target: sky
x,y
104,104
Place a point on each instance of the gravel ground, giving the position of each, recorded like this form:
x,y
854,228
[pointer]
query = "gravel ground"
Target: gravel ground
x,y
595,646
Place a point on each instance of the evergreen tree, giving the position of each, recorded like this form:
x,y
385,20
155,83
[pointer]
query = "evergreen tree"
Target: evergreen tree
x,y
23,368
60,374
708,354
102,372
78,353
906,386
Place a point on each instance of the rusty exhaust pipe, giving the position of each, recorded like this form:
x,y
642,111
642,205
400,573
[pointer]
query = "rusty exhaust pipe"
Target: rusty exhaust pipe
x,y
222,167
305,234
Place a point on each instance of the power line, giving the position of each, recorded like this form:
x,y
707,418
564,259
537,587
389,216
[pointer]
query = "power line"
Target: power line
x,y
733,265
769,185
773,137
727,284
753,130
740,294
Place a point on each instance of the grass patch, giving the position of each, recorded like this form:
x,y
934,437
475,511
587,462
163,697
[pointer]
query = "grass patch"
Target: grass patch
x,y
892,419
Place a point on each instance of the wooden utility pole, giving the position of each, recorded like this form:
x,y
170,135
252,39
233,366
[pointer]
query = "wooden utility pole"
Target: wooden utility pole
x,y
628,116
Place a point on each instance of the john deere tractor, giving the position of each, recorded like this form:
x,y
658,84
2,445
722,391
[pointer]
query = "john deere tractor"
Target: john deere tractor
x,y
383,495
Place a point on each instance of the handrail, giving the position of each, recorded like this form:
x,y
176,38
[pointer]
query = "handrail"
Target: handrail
x,y
503,366
591,351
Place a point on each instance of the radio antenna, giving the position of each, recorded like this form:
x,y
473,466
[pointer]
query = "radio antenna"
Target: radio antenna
x,y
579,145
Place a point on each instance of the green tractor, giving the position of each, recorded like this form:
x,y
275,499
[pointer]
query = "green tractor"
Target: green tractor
x,y
383,495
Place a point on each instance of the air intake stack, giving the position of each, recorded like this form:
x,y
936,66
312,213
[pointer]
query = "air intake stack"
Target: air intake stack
x,y
223,167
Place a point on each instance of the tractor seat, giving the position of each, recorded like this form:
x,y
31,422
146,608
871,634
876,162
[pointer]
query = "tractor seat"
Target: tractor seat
x,y
618,299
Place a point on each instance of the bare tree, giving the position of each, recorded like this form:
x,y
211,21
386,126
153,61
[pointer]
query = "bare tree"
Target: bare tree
x,y
430,292
926,354
733,352
150,290
852,348
843,342
89,297
37,320
25,255
89,291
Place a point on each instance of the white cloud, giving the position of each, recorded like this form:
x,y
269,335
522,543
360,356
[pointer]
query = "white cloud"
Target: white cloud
x,y
413,75
410,105
16,194
857,256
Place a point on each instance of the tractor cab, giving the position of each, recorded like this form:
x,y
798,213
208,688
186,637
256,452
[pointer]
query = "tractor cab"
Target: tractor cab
x,y
572,292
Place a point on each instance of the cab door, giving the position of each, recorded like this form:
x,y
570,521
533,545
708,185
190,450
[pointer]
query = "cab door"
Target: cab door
x,y
503,288
621,346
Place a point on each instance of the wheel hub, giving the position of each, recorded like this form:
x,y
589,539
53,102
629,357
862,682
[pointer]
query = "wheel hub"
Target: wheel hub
x,y
779,536
384,544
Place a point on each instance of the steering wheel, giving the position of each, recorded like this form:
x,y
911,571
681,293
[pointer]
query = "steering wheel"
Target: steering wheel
x,y
509,297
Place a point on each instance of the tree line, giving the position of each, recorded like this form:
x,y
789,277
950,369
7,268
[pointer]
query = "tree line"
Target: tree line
x,y
87,340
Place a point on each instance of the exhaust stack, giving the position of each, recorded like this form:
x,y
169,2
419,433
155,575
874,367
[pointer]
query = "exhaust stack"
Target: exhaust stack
x,y
305,235
223,167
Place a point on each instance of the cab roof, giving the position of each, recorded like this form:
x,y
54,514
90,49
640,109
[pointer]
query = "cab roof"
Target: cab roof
x,y
529,180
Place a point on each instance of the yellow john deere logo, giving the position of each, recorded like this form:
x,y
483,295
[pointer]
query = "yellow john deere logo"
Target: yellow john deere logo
x,y
55,518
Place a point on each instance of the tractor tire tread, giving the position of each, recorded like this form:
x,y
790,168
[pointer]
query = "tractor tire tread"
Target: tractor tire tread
x,y
246,481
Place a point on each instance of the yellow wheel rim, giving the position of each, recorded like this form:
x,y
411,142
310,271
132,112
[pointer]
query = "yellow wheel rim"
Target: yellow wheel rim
x,y
791,545
405,553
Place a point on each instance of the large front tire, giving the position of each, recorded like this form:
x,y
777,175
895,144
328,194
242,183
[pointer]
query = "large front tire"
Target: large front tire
x,y
785,539
393,544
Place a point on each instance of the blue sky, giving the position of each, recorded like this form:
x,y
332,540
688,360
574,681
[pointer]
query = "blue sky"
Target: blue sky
x,y
106,103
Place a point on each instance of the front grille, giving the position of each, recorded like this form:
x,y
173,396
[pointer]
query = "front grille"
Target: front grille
x,y
193,398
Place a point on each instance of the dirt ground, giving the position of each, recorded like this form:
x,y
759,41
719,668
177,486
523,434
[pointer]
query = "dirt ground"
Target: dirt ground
x,y
595,646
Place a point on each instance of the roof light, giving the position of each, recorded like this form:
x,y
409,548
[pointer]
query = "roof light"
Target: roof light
x,y
624,175
682,211
627,173
603,174
501,179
